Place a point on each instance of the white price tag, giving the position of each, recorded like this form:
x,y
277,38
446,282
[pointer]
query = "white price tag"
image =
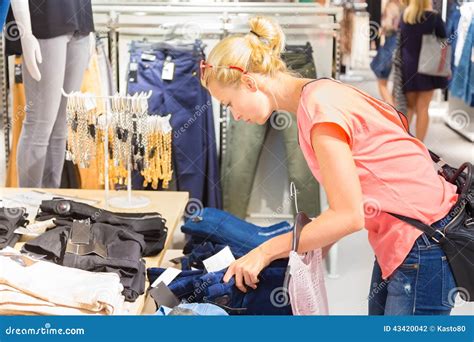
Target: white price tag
x,y
148,57
167,276
219,261
168,71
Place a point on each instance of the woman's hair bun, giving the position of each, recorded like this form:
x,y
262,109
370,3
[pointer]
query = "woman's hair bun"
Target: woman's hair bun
x,y
269,32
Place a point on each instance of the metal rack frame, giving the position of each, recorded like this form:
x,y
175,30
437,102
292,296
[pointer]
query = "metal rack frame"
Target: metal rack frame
x,y
127,17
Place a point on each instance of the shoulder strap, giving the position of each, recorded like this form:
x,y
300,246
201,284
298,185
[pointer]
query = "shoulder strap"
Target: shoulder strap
x,y
404,120
428,230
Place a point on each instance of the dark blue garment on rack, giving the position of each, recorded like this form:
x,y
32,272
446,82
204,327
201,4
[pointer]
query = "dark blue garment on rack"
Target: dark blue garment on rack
x,y
4,5
454,14
201,287
462,83
195,165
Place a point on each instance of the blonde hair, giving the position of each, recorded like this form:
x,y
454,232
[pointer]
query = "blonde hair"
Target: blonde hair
x,y
257,51
414,10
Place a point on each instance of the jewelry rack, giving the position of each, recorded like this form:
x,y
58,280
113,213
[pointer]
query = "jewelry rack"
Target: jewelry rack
x,y
128,201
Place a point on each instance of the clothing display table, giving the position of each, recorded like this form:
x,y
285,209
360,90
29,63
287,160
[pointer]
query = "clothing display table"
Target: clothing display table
x,y
169,204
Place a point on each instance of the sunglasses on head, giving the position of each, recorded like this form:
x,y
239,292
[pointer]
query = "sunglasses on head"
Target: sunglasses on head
x,y
204,65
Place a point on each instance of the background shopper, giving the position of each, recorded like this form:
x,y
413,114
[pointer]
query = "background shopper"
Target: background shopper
x,y
382,63
417,20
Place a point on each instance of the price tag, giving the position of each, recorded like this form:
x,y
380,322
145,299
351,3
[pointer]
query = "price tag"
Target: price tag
x,y
219,261
148,57
133,72
168,70
167,276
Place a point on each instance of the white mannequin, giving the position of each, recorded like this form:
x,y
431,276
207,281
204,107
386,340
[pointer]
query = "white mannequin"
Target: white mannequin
x,y
29,43
54,58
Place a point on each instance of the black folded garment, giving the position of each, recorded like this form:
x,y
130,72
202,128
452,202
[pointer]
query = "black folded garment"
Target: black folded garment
x,y
112,249
150,225
10,220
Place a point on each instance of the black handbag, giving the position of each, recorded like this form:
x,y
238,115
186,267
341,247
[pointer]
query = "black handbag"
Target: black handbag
x,y
456,238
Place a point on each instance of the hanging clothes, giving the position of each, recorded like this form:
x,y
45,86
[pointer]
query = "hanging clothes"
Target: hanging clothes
x,y
4,5
17,117
172,73
462,83
245,144
452,22
461,36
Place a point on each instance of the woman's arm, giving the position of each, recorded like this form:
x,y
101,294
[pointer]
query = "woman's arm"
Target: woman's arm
x,y
344,216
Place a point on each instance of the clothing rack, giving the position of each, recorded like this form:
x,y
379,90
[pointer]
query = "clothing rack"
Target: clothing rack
x,y
217,20
4,107
152,19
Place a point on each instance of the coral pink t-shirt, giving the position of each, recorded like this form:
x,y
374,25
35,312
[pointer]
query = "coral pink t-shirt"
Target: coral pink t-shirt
x,y
395,170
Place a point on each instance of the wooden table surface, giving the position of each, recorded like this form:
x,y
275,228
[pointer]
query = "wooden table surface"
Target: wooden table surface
x,y
170,204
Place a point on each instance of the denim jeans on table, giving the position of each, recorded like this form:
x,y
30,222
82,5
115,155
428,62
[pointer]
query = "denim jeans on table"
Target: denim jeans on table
x,y
422,285
195,166
222,227
196,253
198,286
199,309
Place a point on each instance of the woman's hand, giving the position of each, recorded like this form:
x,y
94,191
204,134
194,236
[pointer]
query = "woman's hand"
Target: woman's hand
x,y
247,268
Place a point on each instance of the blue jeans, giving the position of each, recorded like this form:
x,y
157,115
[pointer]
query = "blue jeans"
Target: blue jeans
x,y
195,165
422,285
202,287
3,11
223,228
196,253
462,82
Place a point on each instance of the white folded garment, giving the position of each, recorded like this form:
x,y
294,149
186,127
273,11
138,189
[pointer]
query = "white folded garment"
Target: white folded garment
x,y
29,286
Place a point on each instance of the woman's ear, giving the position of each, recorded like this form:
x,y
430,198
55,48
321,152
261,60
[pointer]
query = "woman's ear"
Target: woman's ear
x,y
249,82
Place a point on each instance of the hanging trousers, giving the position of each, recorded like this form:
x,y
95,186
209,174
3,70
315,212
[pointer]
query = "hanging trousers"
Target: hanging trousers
x,y
245,143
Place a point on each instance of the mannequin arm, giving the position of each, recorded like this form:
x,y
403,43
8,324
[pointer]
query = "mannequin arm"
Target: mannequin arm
x,y
29,43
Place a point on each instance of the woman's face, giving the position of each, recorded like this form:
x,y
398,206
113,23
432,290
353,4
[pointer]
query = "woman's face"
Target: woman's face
x,y
245,100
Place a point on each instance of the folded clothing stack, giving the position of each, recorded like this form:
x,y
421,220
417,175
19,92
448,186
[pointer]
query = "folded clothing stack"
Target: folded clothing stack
x,y
224,228
104,248
208,234
213,229
35,287
201,287
10,220
150,225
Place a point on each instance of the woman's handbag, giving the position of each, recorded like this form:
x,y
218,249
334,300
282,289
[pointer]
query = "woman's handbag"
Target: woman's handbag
x,y
435,56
